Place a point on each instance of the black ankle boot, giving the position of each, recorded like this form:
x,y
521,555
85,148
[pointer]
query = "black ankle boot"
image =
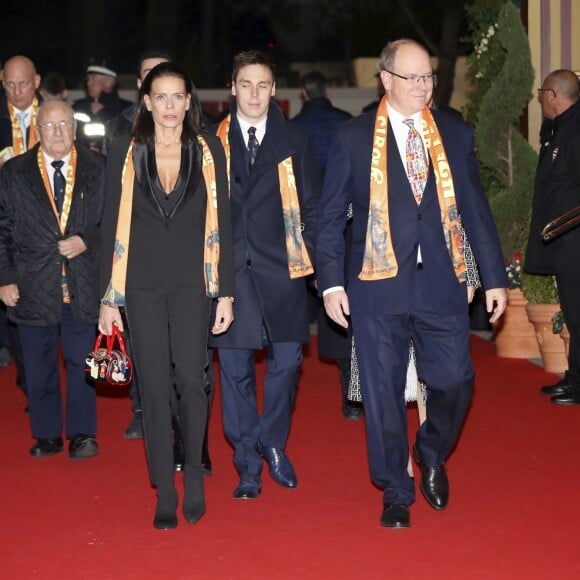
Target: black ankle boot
x,y
194,499
166,511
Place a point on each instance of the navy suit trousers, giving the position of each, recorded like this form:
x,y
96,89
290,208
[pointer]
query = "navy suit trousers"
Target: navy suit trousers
x,y
443,363
243,425
40,352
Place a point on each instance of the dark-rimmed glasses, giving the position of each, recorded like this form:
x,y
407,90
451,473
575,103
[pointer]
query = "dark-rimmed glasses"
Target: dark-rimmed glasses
x,y
428,79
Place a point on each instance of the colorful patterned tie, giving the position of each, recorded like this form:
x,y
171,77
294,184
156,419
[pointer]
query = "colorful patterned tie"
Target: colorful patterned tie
x,y
253,147
22,121
417,168
59,184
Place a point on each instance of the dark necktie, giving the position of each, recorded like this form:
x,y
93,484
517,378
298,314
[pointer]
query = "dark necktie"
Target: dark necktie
x,y
253,147
59,184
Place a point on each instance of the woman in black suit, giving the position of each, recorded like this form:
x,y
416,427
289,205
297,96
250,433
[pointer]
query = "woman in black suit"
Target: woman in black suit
x,y
166,254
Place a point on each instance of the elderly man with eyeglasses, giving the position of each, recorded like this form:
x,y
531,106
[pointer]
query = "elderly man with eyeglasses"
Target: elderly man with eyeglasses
x,y
557,191
411,176
51,201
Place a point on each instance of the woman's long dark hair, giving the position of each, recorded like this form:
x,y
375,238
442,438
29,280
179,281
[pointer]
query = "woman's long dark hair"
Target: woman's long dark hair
x,y
144,128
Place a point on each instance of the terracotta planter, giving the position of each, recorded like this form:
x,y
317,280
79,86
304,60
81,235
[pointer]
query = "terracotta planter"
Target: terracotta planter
x,y
566,338
551,345
514,334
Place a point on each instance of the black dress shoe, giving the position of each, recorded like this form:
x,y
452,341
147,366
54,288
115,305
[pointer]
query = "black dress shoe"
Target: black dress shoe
x,y
560,388
570,398
135,428
281,469
351,410
250,487
396,515
434,483
82,447
46,447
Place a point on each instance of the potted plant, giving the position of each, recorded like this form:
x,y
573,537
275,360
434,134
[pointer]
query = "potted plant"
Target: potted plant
x,y
513,333
543,304
559,327
500,69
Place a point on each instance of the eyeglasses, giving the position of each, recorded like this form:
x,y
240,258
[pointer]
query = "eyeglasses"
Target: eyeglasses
x,y
50,126
542,91
428,79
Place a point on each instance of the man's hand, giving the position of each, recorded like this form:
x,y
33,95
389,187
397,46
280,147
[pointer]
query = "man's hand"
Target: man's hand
x,y
9,294
224,316
71,247
109,315
336,305
496,302
470,294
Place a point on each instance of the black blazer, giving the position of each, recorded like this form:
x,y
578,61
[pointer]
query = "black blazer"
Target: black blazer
x,y
166,248
556,191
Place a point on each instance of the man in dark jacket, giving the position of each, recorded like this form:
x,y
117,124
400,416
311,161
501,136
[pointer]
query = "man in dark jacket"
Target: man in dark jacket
x,y
274,189
556,191
101,104
50,207
321,118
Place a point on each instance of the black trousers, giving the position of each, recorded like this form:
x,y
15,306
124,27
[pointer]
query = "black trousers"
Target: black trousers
x,y
569,293
169,332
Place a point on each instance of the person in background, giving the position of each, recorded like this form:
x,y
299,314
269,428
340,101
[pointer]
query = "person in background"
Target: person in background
x,y
557,191
274,182
101,104
18,113
319,117
53,86
410,173
166,256
51,200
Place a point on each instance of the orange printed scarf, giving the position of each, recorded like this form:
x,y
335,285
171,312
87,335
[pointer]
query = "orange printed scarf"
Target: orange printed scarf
x,y
379,260
299,264
115,294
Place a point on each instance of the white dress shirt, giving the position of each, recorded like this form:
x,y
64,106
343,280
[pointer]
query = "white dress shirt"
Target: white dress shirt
x,y
260,129
50,169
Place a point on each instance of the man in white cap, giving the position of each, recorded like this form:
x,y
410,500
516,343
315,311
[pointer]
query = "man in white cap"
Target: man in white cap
x,y
101,104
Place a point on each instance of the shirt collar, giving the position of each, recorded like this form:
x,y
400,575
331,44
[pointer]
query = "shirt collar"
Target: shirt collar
x,y
396,117
49,159
260,128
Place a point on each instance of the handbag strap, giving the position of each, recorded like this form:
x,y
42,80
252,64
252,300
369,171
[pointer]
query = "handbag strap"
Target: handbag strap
x,y
116,335
100,341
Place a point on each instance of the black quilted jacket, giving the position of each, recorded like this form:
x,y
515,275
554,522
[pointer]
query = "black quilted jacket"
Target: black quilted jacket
x,y
29,233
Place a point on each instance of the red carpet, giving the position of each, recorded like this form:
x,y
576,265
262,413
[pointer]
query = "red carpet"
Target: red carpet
x,y
513,511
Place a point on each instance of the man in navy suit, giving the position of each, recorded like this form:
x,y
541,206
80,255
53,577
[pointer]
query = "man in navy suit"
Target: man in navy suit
x,y
268,157
414,288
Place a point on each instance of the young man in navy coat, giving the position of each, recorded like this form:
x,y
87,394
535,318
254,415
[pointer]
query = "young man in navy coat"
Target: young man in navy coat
x,y
267,156
422,298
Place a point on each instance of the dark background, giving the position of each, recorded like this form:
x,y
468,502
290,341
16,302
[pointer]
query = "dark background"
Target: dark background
x,y
204,35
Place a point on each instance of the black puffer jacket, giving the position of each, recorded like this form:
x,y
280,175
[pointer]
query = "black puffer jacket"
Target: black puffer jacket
x,y
29,233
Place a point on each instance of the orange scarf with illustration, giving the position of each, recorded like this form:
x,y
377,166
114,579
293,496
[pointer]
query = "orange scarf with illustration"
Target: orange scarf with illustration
x,y
299,264
115,294
17,136
66,205
379,260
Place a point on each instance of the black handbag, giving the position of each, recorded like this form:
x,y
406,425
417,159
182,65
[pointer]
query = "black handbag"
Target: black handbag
x,y
108,365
